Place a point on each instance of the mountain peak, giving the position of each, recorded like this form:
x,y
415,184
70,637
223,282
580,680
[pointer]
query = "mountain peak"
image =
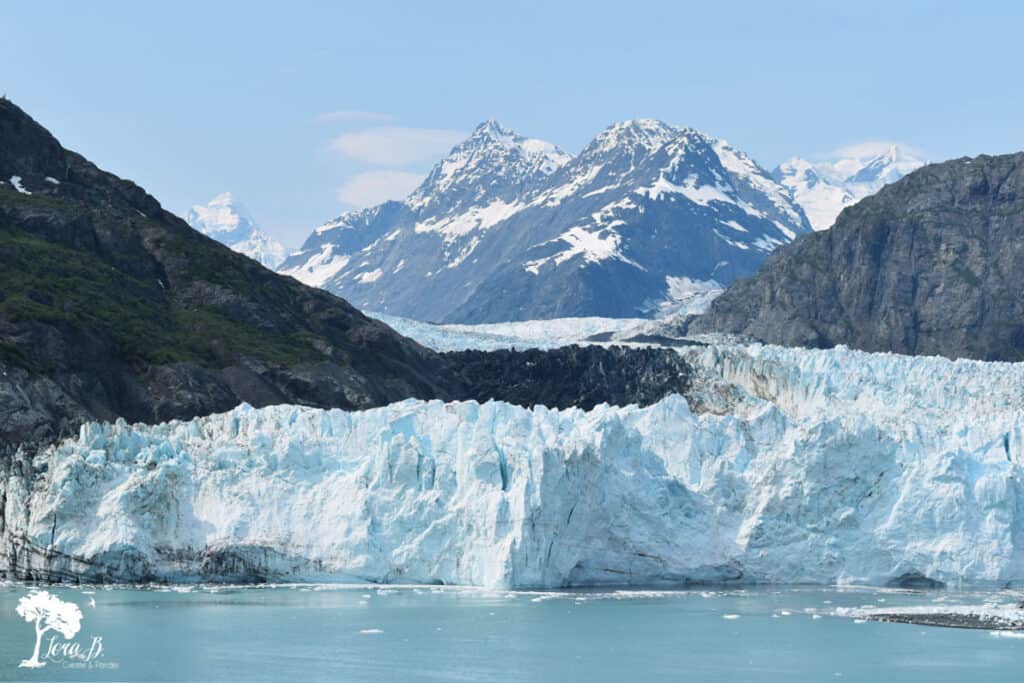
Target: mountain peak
x,y
887,167
492,129
222,214
226,220
223,199
488,164
493,235
647,134
26,148
823,188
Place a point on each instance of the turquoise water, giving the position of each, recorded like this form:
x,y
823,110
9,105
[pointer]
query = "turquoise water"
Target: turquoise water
x,y
309,633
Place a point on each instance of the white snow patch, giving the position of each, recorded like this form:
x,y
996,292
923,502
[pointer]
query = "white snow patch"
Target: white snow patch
x,y
16,183
369,276
319,268
594,247
703,194
686,296
734,225
475,218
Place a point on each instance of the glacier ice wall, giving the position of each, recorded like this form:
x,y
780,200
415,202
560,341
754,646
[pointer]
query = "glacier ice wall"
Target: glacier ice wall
x,y
790,466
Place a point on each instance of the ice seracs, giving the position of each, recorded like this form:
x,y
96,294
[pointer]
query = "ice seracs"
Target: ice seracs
x,y
512,228
784,465
226,220
824,188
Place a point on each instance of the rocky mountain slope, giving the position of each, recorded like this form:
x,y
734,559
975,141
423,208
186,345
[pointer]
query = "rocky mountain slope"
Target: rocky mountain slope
x,y
508,228
112,307
932,264
226,220
824,188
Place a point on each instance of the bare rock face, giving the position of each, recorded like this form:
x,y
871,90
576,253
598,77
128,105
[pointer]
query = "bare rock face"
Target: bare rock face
x,y
931,265
573,376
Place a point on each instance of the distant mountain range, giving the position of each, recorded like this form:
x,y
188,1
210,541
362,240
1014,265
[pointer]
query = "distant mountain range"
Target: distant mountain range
x,y
511,228
825,188
229,222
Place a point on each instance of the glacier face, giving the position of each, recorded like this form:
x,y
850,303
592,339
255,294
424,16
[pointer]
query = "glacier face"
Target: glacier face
x,y
784,465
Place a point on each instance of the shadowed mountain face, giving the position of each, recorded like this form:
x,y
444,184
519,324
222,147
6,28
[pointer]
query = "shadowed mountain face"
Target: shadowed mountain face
x,y
932,265
111,307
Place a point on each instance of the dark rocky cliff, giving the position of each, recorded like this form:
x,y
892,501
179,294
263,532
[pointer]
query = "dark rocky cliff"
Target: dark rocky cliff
x,y
933,264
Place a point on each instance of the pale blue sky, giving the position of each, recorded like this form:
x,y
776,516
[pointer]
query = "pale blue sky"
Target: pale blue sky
x,y
190,99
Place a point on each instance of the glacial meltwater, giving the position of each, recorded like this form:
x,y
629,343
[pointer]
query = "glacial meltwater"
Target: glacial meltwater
x,y
372,633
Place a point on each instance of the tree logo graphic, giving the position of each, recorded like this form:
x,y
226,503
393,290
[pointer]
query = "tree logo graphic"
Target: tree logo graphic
x,y
49,613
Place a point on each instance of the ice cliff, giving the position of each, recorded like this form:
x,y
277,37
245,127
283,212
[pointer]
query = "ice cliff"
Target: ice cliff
x,y
784,465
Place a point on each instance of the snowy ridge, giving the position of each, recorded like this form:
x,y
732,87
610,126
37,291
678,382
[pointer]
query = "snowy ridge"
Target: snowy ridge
x,y
492,156
230,223
505,226
823,189
797,466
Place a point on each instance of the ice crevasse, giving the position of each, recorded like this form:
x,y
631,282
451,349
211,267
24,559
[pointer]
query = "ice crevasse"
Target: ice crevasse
x,y
784,466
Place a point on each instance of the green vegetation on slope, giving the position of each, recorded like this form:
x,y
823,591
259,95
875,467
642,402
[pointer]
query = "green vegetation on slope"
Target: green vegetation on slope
x,y
49,283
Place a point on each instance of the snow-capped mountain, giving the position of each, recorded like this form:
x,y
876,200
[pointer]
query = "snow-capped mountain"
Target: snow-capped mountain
x,y
825,187
229,222
509,228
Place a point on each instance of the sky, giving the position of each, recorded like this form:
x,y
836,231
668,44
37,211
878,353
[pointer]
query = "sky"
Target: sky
x,y
304,110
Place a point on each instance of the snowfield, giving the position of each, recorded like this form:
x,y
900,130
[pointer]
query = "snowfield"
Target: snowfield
x,y
784,466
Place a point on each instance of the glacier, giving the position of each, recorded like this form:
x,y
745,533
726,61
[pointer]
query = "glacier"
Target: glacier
x,y
781,466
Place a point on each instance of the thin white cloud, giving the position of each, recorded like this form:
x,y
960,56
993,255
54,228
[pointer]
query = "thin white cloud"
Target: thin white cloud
x,y
353,117
373,187
873,148
396,146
